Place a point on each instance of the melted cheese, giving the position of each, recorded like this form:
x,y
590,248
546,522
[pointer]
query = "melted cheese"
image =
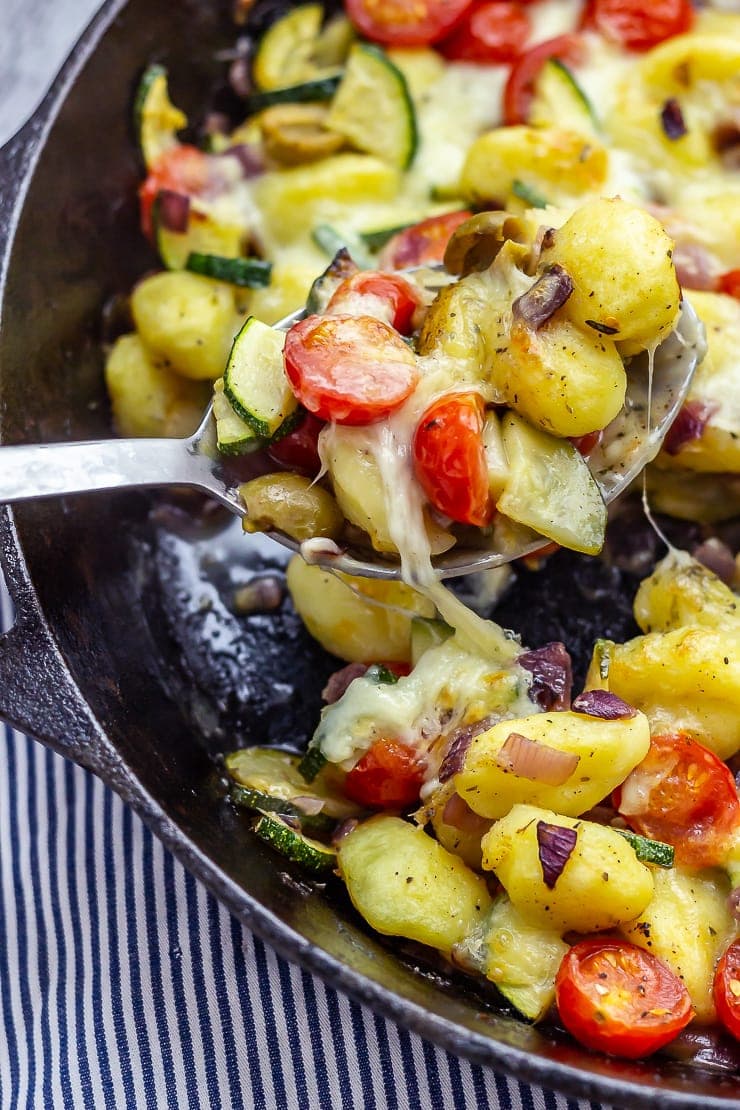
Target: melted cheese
x,y
449,686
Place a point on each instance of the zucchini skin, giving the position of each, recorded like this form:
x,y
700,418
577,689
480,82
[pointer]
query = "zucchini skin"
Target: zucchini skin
x,y
323,88
313,761
255,800
249,273
649,851
529,195
374,240
261,397
309,854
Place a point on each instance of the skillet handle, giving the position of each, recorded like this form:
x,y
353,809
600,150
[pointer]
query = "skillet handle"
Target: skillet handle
x,y
37,692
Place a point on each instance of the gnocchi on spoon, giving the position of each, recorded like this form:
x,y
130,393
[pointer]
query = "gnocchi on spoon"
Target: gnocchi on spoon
x,y
461,418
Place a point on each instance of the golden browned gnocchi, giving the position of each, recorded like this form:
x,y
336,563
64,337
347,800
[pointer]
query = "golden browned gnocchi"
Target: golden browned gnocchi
x,y
600,754
562,378
187,321
560,165
406,884
601,884
358,619
686,680
620,260
147,397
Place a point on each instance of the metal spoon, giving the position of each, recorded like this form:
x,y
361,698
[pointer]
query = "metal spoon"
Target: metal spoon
x,y
627,445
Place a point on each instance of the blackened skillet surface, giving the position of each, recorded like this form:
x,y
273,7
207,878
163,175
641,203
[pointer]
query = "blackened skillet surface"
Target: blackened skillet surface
x,y
162,674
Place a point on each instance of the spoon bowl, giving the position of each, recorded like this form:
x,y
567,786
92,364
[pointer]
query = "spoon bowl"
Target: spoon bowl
x,y
656,390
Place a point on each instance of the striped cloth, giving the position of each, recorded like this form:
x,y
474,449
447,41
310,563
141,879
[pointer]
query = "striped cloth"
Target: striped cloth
x,y
124,983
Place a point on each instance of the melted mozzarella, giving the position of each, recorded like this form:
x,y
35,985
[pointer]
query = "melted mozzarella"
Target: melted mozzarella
x,y
448,686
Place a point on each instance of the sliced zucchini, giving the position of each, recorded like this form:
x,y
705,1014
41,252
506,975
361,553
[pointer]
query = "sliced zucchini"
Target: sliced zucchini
x,y
312,763
373,109
522,959
649,851
427,633
528,194
250,273
550,488
332,241
255,381
254,800
274,774
291,843
341,266
559,101
374,240
323,88
203,235
233,435
156,119
296,48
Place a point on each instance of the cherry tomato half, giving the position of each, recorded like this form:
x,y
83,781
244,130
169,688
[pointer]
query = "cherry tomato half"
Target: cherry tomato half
x,y
636,24
586,444
730,283
617,998
450,461
350,369
389,297
184,169
389,776
488,33
684,794
299,450
519,89
727,989
424,243
405,22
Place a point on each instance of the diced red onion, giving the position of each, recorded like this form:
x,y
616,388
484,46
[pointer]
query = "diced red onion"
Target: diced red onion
x,y
308,804
320,549
555,846
216,123
530,759
717,557
733,903
239,77
344,829
695,267
727,141
546,236
458,744
689,425
173,210
250,158
462,957
603,704
547,295
671,118
339,682
458,813
552,675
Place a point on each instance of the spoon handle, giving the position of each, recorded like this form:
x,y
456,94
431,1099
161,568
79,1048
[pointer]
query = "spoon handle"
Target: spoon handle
x,y
49,469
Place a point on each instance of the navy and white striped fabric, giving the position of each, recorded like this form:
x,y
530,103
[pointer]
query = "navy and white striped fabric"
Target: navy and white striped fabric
x,y
123,983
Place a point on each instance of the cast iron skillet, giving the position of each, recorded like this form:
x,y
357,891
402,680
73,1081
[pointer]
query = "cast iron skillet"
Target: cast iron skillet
x,y
124,656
